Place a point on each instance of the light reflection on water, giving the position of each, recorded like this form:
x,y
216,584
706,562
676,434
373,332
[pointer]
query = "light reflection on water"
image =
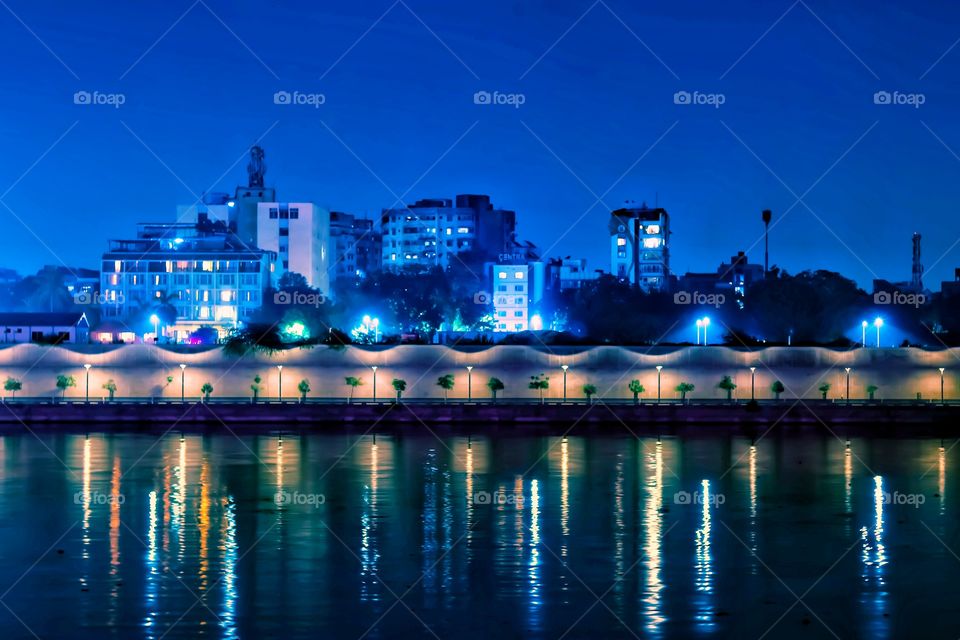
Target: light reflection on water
x,y
182,537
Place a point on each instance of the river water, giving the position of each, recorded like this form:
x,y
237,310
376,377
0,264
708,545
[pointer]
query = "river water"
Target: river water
x,y
347,536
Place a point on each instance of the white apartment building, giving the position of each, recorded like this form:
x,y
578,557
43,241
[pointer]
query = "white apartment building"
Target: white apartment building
x,y
299,233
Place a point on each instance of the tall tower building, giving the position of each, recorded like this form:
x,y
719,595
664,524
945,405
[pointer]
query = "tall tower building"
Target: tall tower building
x,y
299,233
640,246
245,203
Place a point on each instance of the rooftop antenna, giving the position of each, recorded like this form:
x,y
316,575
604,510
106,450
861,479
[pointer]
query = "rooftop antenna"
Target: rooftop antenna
x,y
917,274
767,215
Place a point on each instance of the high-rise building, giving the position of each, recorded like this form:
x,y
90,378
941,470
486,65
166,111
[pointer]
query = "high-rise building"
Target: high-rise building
x,y
244,210
431,233
640,246
299,233
356,247
201,269
517,288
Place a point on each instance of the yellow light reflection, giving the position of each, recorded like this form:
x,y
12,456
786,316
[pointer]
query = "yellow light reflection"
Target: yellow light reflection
x,y
652,548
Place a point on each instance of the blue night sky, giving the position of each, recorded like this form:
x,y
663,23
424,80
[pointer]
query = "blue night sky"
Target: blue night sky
x,y
599,120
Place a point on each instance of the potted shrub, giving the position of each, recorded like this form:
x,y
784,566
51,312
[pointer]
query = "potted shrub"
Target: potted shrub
x,y
206,390
352,382
445,382
683,389
111,387
728,385
399,385
304,388
495,385
636,389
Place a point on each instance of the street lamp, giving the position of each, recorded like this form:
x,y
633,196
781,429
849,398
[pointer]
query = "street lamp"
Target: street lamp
x,y
469,382
878,323
280,382
156,328
863,336
374,367
87,367
183,369
376,329
659,370
564,367
706,323
753,383
847,369
941,384
699,324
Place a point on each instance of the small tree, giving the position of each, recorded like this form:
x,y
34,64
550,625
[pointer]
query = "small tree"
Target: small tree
x,y
495,384
111,387
824,389
636,389
871,390
445,382
683,389
540,383
255,387
64,383
777,388
353,383
13,385
728,385
399,385
589,390
169,382
304,388
206,390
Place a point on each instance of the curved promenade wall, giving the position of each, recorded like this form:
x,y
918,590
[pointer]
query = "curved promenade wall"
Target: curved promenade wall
x,y
141,370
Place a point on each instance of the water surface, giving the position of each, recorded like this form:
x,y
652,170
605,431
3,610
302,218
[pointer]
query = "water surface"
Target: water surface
x,y
341,536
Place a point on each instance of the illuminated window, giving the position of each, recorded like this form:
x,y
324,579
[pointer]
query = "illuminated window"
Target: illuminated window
x,y
503,275
116,266
207,265
168,267
463,230
518,275
226,296
621,242
653,229
449,231
651,243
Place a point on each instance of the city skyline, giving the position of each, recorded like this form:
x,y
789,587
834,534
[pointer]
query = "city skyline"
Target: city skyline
x,y
714,167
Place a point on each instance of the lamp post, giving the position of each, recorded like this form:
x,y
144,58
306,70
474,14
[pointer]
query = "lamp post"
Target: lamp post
x,y
706,323
941,384
183,369
847,369
863,334
374,367
87,367
376,329
156,328
753,383
469,382
280,382
878,323
699,324
659,370
564,367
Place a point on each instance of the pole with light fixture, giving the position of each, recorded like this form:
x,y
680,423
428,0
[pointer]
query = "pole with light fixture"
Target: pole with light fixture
x,y
469,382
280,382
847,369
753,383
863,334
942,369
183,369
87,395
706,323
659,371
878,323
374,367
564,367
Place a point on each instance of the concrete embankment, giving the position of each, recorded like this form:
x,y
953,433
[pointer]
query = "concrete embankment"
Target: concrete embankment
x,y
921,419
